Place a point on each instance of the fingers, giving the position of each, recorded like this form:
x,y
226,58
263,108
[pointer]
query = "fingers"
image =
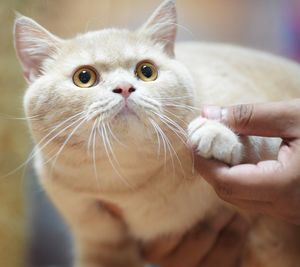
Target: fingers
x,y
264,181
277,119
228,248
259,182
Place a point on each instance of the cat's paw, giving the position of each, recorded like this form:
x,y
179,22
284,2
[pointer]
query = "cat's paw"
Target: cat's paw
x,y
212,139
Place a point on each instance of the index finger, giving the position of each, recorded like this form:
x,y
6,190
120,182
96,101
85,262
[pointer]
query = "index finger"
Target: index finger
x,y
277,119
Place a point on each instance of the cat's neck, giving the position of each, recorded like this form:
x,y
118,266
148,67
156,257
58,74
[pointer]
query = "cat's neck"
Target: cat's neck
x,y
129,168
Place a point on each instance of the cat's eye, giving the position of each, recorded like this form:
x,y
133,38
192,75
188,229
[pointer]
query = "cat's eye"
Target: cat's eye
x,y
146,71
85,77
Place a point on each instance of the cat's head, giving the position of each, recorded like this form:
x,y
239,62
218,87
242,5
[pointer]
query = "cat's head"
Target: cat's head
x,y
127,81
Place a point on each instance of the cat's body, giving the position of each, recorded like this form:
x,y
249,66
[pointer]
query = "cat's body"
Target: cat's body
x,y
115,202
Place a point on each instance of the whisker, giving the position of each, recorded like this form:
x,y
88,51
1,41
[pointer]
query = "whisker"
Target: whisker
x,y
174,97
53,138
158,140
177,130
102,134
36,148
182,106
109,145
66,141
113,135
182,131
11,117
177,117
94,131
89,145
167,142
172,125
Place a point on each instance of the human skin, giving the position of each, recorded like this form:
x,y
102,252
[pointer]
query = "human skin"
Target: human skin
x,y
270,187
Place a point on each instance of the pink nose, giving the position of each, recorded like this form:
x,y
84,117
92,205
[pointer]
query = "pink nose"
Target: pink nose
x,y
124,89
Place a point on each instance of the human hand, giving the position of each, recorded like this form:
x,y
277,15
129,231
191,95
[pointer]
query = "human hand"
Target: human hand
x,y
271,187
217,242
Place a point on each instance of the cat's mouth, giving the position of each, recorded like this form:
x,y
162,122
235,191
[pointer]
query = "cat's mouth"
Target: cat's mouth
x,y
124,109
128,109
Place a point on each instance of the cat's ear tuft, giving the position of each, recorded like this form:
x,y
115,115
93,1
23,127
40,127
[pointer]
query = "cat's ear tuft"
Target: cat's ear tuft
x,y
162,26
33,45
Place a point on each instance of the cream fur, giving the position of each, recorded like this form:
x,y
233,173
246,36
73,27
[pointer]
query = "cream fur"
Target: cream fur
x,y
156,190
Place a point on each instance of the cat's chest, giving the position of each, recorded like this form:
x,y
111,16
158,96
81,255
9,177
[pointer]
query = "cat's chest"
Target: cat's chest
x,y
158,186
120,167
168,206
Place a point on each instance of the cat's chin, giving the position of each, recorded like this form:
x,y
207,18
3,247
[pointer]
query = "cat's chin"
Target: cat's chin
x,y
127,113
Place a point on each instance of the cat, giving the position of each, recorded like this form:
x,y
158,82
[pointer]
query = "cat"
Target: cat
x,y
116,114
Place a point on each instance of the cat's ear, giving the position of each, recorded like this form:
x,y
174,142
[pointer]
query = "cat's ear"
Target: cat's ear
x,y
33,45
162,26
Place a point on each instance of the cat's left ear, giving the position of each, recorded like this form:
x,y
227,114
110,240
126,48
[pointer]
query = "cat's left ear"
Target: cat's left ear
x,y
162,26
33,44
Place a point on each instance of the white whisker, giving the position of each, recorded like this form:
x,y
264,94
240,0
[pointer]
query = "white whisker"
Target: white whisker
x,y
66,141
109,145
174,97
172,125
36,148
181,106
104,138
158,140
113,135
94,133
89,145
177,130
167,143
177,117
10,117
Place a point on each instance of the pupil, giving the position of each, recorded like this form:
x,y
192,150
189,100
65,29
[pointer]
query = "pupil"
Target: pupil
x,y
84,76
147,71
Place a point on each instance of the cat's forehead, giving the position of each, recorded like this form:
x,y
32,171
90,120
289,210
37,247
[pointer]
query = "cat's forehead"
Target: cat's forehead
x,y
110,47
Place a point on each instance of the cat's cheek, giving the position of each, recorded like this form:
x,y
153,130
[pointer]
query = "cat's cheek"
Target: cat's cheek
x,y
31,102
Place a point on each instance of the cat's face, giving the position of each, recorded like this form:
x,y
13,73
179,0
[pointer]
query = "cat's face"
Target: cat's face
x,y
109,81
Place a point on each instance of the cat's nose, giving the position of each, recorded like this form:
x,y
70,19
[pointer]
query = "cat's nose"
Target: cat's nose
x,y
124,89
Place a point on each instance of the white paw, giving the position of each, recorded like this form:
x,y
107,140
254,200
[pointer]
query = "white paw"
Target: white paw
x,y
212,139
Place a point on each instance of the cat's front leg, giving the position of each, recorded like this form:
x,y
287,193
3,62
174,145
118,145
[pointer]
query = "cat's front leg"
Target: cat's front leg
x,y
102,240
212,139
100,237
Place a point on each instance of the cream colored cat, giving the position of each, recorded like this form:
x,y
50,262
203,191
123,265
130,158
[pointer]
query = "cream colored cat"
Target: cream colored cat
x,y
111,110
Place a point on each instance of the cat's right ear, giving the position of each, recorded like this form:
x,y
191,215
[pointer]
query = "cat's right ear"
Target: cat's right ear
x,y
162,26
33,45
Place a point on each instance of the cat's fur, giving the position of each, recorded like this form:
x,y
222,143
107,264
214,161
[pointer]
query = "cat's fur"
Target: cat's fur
x,y
114,202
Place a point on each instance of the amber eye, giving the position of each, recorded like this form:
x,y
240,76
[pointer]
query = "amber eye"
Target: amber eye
x,y
146,71
85,77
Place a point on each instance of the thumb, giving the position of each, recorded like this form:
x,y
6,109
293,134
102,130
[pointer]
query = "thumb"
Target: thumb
x,y
275,119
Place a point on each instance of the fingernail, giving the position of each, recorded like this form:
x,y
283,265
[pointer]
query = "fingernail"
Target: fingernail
x,y
224,113
212,112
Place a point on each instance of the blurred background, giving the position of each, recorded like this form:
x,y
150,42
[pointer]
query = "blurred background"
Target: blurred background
x,y
30,232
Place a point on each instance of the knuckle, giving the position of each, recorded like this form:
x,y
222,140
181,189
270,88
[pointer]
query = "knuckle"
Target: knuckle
x,y
242,115
223,190
290,127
